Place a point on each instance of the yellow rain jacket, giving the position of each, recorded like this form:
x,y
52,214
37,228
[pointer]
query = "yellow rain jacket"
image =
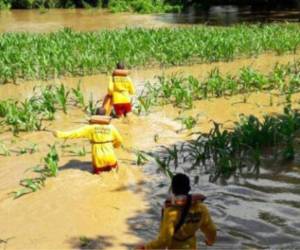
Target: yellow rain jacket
x,y
198,217
120,87
103,137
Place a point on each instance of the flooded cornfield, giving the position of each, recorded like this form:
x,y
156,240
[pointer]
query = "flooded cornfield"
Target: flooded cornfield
x,y
181,96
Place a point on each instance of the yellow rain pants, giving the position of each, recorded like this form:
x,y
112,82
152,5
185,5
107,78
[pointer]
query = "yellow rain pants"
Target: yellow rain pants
x,y
104,138
198,218
120,87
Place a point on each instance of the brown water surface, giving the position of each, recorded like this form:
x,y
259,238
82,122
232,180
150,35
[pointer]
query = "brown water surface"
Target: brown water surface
x,y
77,19
96,19
116,210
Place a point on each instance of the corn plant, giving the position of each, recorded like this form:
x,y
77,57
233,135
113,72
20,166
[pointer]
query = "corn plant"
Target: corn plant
x,y
48,169
188,122
78,96
182,91
223,153
62,97
67,52
92,106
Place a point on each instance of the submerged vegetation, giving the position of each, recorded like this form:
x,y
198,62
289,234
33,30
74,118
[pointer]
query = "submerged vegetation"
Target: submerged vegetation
x,y
223,153
49,168
181,91
44,56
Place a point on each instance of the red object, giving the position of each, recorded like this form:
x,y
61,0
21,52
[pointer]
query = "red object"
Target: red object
x,y
105,169
122,108
120,72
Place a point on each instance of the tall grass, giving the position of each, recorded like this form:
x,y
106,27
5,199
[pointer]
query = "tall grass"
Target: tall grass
x,y
43,56
223,153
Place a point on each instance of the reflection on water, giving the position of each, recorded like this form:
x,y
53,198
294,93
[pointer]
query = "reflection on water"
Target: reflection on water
x,y
89,20
250,213
231,14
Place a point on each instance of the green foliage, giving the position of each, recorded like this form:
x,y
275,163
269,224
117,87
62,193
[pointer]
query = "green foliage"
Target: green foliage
x,y
188,122
224,153
92,106
62,97
142,6
5,4
141,158
29,114
78,96
29,4
66,52
182,91
49,169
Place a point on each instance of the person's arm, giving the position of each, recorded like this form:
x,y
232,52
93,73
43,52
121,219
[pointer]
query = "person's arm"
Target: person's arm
x,y
116,137
110,89
166,232
208,227
131,89
84,132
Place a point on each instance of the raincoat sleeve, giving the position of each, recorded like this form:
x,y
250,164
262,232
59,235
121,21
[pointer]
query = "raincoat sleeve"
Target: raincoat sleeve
x,y
166,232
84,132
116,137
110,86
208,227
131,89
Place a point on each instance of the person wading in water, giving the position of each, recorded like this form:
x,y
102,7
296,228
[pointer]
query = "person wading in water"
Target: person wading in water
x,y
103,136
182,215
120,89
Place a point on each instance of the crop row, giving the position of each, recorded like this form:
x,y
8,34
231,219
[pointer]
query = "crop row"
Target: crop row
x,y
223,153
29,115
182,91
66,52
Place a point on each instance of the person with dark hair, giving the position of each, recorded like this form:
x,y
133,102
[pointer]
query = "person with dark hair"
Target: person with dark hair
x,y
103,136
120,89
182,216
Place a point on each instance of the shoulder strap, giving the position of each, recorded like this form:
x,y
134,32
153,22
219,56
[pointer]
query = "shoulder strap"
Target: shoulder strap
x,y
184,213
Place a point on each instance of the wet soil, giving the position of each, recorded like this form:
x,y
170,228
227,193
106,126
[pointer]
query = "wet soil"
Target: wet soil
x,y
116,210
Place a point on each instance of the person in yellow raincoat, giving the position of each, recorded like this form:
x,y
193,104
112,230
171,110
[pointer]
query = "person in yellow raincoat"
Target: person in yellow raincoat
x,y
103,136
182,216
120,89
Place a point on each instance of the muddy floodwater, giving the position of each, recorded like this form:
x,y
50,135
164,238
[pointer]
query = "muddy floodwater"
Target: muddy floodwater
x,y
78,210
95,19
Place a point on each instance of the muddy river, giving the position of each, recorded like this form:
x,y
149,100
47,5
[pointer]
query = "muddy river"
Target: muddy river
x,y
96,19
117,210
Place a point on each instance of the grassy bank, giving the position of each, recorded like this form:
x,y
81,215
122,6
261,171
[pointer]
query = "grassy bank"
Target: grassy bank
x,y
43,56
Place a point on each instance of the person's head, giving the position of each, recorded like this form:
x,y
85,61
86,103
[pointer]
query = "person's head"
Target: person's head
x,y
180,184
120,65
100,111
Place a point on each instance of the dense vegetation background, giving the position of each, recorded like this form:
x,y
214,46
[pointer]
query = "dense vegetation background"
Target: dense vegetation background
x,y
143,6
